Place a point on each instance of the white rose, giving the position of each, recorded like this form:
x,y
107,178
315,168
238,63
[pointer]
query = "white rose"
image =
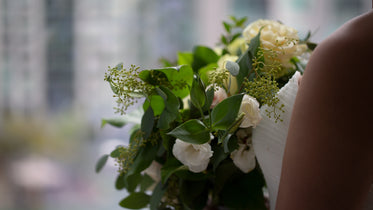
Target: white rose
x,y
244,157
250,107
278,37
221,67
195,156
219,95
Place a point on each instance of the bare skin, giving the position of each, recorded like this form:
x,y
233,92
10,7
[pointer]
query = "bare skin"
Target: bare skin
x,y
328,160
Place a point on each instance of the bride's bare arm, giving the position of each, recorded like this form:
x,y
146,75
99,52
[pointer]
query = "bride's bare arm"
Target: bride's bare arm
x,y
328,160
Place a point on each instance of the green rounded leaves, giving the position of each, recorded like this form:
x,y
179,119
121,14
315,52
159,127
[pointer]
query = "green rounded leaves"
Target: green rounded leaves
x,y
225,113
192,131
135,200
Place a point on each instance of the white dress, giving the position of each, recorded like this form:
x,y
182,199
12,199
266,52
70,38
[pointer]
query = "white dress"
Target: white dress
x,y
269,140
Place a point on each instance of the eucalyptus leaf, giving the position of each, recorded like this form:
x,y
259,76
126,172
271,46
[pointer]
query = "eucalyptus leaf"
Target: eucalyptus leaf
x,y
232,67
225,113
135,200
101,163
192,131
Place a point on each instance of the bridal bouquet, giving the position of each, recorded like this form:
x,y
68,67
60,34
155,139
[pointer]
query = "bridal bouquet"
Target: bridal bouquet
x,y
193,148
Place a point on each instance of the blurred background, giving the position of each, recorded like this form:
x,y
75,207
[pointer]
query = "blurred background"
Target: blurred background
x,y
53,55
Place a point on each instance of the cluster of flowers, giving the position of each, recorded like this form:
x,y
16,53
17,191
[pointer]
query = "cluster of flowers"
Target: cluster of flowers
x,y
275,37
191,133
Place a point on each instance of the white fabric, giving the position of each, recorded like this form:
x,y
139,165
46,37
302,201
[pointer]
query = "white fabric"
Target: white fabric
x,y
269,140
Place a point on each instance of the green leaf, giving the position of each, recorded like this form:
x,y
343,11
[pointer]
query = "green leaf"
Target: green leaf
x,y
167,140
209,98
171,111
171,166
192,131
197,93
232,67
135,200
116,153
205,71
173,76
203,56
254,45
223,39
132,181
185,58
144,158
245,60
188,175
157,195
311,45
156,102
116,122
120,182
227,26
147,123
245,191
194,194
101,163
241,22
146,182
245,64
218,156
225,113
230,143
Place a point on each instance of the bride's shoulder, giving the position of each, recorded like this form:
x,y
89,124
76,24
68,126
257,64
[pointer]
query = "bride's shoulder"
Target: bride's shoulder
x,y
348,52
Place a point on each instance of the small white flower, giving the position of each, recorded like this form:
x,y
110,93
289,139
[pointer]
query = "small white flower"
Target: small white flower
x,y
219,95
244,157
195,156
250,107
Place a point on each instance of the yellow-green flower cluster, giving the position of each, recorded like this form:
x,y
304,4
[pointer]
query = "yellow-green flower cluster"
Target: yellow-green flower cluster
x,y
126,86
